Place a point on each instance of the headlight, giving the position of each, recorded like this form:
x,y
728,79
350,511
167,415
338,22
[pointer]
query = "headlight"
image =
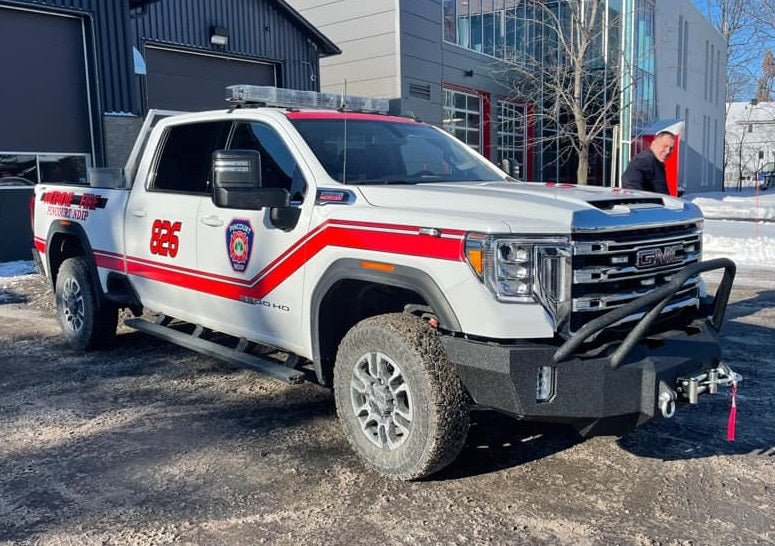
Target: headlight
x,y
512,277
523,269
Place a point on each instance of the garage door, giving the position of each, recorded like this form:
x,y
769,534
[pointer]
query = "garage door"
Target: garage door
x,y
44,97
183,80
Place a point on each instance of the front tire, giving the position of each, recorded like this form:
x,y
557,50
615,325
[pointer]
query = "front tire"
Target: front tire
x,y
85,324
401,403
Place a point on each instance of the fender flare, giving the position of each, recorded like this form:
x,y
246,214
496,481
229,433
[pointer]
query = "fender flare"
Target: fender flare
x,y
405,277
75,230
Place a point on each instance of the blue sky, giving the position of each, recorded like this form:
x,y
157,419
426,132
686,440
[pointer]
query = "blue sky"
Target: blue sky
x,y
749,57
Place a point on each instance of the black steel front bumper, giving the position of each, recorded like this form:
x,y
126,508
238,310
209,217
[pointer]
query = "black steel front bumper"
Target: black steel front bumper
x,y
605,388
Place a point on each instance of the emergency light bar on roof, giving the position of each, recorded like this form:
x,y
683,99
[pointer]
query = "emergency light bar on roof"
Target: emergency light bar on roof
x,y
292,98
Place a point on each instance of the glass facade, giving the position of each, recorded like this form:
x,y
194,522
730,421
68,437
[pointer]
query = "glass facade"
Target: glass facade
x,y
620,73
644,103
503,29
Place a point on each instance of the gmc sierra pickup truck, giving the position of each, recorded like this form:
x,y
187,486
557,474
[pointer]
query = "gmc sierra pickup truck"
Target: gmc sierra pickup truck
x,y
311,237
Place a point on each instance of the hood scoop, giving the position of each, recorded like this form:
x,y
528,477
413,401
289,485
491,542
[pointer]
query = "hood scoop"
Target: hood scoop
x,y
628,202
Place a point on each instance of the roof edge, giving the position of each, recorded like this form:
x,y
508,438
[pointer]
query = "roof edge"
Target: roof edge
x,y
327,46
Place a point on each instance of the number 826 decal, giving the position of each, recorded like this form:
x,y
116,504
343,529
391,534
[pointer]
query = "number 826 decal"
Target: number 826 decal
x,y
164,238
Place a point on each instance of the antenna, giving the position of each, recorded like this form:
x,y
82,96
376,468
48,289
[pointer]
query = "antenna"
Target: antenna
x,y
344,141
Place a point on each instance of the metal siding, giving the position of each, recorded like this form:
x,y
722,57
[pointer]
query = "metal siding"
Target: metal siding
x,y
107,24
186,23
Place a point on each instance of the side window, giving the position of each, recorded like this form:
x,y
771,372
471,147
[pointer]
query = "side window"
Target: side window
x,y
278,168
184,162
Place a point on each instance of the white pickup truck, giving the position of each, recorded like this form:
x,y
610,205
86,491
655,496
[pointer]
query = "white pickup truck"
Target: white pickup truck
x,y
380,256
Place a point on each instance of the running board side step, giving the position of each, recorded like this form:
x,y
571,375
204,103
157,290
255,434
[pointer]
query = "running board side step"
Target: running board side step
x,y
220,352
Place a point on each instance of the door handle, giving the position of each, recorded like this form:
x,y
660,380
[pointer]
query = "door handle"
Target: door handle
x,y
212,221
139,213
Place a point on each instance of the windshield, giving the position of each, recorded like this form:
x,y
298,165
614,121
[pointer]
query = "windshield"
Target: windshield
x,y
390,152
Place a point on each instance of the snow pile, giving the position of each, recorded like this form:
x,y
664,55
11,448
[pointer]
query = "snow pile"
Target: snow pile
x,y
748,204
750,241
16,269
747,243
10,274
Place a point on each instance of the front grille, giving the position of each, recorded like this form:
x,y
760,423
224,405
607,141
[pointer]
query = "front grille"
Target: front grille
x,y
614,268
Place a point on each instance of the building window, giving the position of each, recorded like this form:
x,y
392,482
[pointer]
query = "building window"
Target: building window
x,y
448,9
644,105
713,74
715,144
683,171
750,127
512,138
704,176
498,28
44,168
707,53
685,55
718,73
463,117
686,125
679,71
761,154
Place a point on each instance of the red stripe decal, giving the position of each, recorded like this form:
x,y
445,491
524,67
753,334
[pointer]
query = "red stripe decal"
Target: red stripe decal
x,y
40,245
335,234
109,262
412,229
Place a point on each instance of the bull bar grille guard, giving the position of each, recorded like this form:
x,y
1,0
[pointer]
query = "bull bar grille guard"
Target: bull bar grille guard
x,y
656,301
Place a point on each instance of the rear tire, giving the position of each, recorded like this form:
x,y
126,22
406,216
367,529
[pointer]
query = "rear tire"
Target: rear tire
x,y
85,324
401,403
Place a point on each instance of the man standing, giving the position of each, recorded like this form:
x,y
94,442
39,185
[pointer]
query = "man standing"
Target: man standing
x,y
646,171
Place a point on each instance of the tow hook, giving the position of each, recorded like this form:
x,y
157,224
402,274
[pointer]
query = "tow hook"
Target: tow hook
x,y
690,388
667,397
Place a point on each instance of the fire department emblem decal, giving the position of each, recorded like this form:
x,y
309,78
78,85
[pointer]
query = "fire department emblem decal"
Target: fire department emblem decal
x,y
239,243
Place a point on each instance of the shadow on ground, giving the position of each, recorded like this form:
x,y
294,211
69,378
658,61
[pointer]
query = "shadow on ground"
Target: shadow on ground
x,y
11,296
496,442
700,431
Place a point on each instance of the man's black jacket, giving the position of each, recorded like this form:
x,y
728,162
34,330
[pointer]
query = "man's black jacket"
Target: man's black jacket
x,y
645,172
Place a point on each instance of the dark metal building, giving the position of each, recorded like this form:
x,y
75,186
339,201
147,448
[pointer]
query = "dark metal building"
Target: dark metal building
x,y
79,75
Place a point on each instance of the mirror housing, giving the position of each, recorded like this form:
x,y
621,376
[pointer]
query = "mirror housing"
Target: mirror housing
x,y
285,218
236,178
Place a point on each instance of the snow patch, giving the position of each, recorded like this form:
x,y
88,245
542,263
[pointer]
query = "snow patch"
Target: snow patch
x,y
749,204
16,269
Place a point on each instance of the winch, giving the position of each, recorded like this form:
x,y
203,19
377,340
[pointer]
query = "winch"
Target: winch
x,y
690,388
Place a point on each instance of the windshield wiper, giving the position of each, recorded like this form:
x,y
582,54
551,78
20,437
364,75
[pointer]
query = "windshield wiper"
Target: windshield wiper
x,y
383,182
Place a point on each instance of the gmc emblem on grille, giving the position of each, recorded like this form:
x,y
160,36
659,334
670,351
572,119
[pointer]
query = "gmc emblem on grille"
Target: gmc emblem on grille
x,y
654,257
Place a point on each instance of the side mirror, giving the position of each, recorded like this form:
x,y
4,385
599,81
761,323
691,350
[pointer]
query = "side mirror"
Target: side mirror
x,y
236,177
285,218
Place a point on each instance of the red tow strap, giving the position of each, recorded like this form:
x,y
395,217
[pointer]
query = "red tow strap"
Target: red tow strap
x,y
732,416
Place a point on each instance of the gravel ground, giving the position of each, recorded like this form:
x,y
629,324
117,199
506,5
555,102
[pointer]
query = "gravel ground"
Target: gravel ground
x,y
151,444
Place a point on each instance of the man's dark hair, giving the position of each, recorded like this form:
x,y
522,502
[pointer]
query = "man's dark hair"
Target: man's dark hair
x,y
663,133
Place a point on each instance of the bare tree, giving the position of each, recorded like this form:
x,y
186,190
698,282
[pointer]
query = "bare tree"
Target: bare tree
x,y
568,76
763,16
766,83
736,20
